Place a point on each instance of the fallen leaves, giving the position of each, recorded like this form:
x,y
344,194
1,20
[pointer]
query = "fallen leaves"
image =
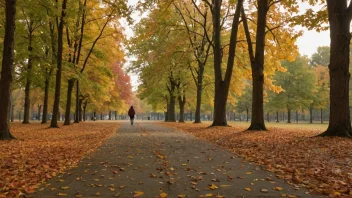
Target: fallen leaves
x,y
138,193
45,153
278,188
320,164
213,187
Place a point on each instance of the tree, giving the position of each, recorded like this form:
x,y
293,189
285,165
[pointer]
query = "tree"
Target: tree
x,y
32,22
59,64
100,28
197,26
265,9
321,57
7,69
321,95
339,16
298,83
222,84
244,102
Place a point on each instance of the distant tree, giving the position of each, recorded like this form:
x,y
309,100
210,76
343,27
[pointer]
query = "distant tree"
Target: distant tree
x,y
298,84
321,94
244,102
321,57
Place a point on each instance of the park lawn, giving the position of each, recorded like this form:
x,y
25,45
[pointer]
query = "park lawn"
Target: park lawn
x,y
323,165
41,153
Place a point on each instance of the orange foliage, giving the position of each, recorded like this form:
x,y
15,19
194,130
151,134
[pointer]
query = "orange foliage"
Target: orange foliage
x,y
122,82
43,152
321,164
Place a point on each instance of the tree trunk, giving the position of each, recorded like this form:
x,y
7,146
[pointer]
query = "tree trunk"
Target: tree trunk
x,y
171,110
39,109
296,116
59,66
339,19
268,116
247,114
257,65
191,116
182,102
321,116
222,85
288,115
45,105
277,116
29,80
84,111
70,86
166,116
77,110
7,69
12,113
80,112
47,80
311,114
199,94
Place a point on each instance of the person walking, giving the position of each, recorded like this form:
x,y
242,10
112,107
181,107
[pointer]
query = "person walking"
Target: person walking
x,y
131,113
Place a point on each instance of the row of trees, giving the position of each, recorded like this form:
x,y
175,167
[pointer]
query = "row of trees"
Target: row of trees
x,y
186,42
62,51
305,87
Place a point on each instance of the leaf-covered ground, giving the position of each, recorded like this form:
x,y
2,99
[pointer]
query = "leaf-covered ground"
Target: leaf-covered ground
x,y
322,165
42,153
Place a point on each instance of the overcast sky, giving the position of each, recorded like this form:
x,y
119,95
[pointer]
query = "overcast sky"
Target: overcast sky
x,y
307,43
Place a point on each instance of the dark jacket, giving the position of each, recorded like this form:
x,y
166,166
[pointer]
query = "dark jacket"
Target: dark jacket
x,y
131,112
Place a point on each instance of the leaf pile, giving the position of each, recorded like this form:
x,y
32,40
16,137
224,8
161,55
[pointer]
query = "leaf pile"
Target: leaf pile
x,y
45,152
321,164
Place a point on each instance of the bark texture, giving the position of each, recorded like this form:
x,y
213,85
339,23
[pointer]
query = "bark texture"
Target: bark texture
x,y
222,85
339,15
257,65
58,65
70,85
7,69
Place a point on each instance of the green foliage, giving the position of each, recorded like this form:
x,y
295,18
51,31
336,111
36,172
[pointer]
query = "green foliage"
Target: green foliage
x,y
321,57
298,83
244,102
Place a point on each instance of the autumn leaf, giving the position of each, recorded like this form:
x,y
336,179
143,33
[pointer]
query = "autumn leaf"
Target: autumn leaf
x,y
213,187
264,190
61,194
163,195
138,193
248,189
278,188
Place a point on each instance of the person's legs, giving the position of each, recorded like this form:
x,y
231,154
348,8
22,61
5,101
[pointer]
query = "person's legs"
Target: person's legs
x,y
131,119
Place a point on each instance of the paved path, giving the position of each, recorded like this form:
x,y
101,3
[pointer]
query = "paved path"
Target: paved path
x,y
152,159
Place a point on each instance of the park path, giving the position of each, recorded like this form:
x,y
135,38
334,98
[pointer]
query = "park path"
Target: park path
x,y
148,160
